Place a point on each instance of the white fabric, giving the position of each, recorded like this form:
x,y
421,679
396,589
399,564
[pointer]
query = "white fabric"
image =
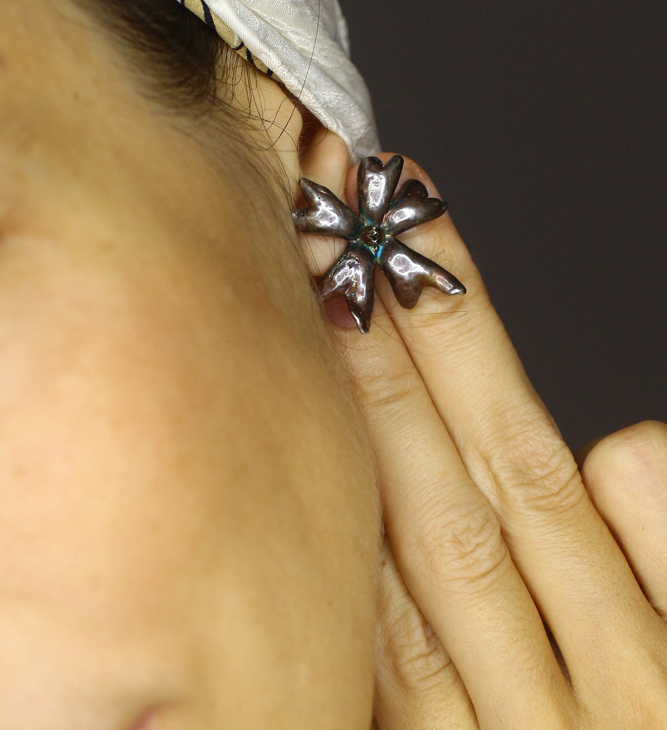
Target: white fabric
x,y
306,44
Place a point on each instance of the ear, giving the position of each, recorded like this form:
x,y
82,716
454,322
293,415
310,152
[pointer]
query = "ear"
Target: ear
x,y
324,160
303,146
324,157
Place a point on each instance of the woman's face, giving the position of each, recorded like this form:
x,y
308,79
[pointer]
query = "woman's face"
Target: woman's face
x,y
189,519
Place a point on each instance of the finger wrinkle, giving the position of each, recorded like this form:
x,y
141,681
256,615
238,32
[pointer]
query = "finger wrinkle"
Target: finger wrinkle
x,y
461,548
387,388
527,470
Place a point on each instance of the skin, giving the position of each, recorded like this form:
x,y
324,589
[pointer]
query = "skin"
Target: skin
x,y
492,530
166,561
189,524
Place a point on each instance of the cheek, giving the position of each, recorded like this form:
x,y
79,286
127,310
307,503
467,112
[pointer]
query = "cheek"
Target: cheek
x,y
167,473
90,456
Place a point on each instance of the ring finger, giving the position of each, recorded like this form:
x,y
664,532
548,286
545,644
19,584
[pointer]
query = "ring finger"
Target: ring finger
x,y
417,685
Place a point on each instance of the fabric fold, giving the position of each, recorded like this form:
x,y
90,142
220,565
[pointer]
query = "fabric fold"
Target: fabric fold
x,y
303,44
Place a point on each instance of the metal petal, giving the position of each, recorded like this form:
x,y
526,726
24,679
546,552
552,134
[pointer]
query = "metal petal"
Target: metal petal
x,y
325,214
351,276
377,185
412,207
409,272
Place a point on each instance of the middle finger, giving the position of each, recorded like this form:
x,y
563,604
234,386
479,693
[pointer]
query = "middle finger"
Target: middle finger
x,y
515,455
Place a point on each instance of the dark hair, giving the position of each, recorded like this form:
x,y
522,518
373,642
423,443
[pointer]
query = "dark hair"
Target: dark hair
x,y
178,58
183,66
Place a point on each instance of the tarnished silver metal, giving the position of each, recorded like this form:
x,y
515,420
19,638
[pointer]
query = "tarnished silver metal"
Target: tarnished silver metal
x,y
372,241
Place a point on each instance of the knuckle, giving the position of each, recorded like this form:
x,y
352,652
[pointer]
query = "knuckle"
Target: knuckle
x,y
636,448
384,388
463,547
532,470
409,648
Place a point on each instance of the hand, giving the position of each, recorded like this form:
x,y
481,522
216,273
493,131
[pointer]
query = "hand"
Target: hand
x,y
511,596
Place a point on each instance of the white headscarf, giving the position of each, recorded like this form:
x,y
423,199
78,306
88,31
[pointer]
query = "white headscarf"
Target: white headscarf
x,y
305,45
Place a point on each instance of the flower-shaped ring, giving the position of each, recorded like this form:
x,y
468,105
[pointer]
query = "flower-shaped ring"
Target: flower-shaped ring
x,y
372,241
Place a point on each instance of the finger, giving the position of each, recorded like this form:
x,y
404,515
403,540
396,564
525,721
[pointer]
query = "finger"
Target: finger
x,y
417,685
515,455
626,475
582,452
448,543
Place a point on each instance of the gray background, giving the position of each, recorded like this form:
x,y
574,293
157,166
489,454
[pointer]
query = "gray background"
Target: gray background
x,y
543,125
